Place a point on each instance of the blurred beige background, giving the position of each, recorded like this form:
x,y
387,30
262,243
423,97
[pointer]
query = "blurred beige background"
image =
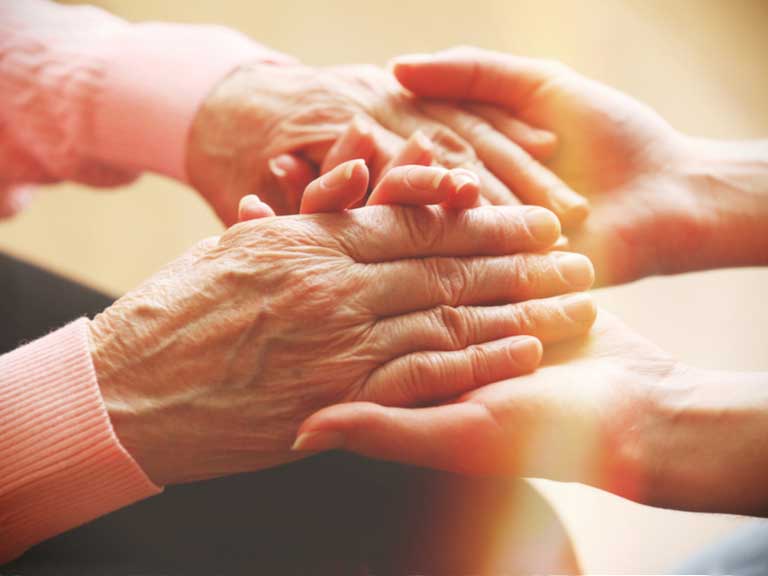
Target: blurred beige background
x,y
701,63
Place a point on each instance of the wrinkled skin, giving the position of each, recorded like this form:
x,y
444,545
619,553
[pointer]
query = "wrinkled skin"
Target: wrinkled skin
x,y
292,109
295,113
209,367
646,208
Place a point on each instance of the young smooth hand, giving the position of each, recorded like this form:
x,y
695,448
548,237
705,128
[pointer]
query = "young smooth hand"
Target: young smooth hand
x,y
661,202
611,410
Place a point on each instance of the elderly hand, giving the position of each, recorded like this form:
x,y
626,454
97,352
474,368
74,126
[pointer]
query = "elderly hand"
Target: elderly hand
x,y
648,214
264,122
209,367
611,410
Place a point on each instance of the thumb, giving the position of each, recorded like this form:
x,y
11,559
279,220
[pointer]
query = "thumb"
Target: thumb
x,y
292,174
472,74
462,437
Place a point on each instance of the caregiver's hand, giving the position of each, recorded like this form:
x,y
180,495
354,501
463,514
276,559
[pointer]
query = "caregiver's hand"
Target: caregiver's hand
x,y
611,410
265,121
661,202
209,367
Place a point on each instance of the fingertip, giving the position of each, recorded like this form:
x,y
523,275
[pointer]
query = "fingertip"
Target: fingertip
x,y
576,270
407,68
580,308
543,145
356,142
319,441
542,224
338,419
336,190
466,189
276,167
251,208
422,151
526,352
355,169
573,212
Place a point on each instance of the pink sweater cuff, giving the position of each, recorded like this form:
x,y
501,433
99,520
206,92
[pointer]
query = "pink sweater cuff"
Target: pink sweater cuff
x,y
62,464
156,77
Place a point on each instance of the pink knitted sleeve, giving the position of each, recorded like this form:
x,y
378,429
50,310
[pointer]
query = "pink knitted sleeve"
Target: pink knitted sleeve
x,y
86,96
60,461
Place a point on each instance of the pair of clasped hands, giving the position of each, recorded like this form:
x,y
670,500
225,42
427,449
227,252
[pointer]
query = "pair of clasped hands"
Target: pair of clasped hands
x,y
411,328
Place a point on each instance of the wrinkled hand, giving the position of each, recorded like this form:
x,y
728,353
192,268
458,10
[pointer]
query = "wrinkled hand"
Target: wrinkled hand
x,y
613,149
209,367
265,123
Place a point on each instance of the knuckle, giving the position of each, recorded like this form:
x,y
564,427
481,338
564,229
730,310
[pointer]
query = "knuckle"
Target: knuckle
x,y
520,276
492,229
524,318
453,324
424,227
479,365
419,370
451,276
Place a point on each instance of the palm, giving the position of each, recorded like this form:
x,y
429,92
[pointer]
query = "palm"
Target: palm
x,y
563,421
617,152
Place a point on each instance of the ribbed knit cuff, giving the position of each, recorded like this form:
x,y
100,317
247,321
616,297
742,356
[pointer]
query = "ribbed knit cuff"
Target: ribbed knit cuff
x,y
61,464
156,76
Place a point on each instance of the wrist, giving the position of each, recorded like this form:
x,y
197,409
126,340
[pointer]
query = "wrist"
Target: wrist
x,y
119,382
252,115
729,181
705,451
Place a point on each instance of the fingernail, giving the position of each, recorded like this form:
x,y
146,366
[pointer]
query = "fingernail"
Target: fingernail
x,y
438,179
424,177
413,59
462,178
542,224
250,200
579,307
576,270
572,207
276,169
336,178
350,168
318,442
526,350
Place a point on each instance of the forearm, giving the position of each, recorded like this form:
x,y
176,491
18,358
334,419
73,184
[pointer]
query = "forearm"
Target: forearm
x,y
708,450
731,181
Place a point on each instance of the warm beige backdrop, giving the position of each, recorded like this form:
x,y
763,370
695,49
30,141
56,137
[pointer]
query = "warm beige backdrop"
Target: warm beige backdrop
x,y
702,63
